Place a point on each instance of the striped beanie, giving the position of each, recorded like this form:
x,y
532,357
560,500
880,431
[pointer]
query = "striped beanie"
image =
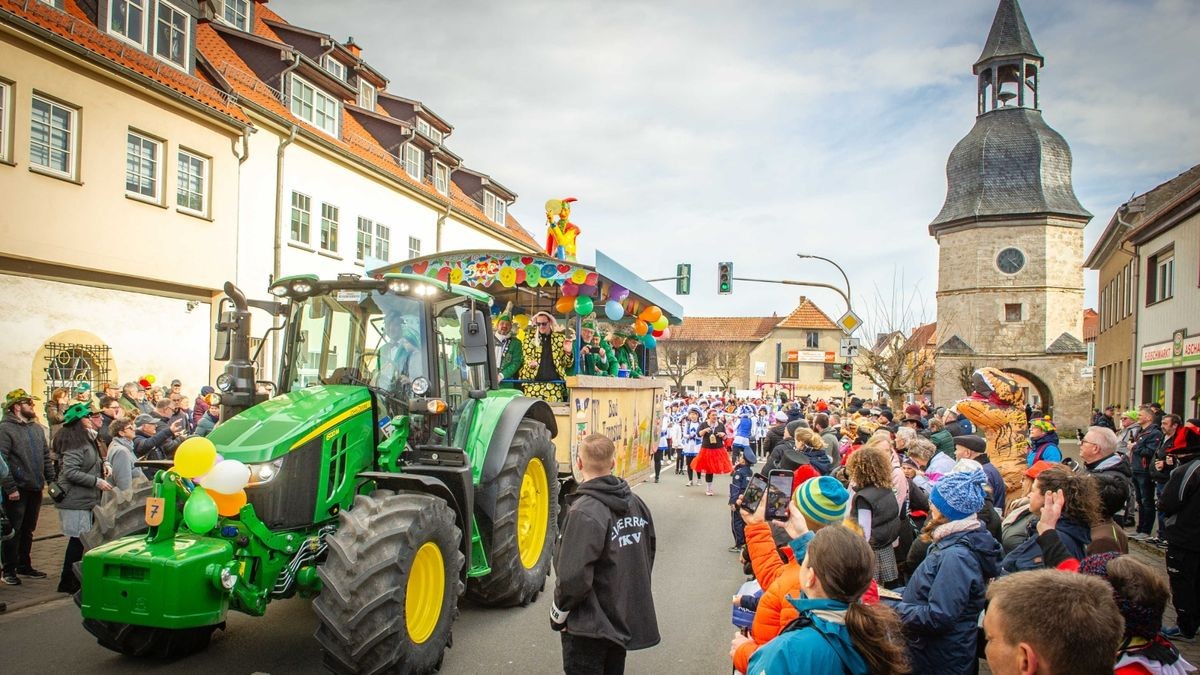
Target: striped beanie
x,y
822,499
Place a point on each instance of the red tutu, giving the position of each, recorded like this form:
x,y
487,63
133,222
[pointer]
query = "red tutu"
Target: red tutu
x,y
712,460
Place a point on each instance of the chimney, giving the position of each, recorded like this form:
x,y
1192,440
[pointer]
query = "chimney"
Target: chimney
x,y
803,299
353,48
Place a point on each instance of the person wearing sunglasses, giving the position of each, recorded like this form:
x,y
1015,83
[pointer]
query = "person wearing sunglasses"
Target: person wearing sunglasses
x,y
546,358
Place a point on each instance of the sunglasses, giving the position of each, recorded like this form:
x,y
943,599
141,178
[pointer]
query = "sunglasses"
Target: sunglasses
x,y
542,323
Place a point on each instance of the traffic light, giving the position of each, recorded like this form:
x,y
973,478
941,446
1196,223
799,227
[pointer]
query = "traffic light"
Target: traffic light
x,y
847,376
724,278
683,279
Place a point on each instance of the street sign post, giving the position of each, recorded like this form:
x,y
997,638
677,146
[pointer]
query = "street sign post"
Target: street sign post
x,y
849,322
848,348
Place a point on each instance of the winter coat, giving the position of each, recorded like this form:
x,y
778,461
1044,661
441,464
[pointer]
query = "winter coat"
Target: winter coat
x,y
943,441
1125,439
82,469
1014,529
999,489
1116,465
831,447
939,466
1148,442
773,611
819,461
1045,448
24,448
885,514
199,407
121,459
54,416
821,647
1169,461
775,435
603,565
1182,513
741,478
775,459
941,603
1028,555
206,424
161,445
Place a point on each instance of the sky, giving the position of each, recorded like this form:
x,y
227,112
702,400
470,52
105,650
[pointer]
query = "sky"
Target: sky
x,y
703,131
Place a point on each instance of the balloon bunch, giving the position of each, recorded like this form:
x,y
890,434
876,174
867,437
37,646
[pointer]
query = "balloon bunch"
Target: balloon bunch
x,y
147,381
224,482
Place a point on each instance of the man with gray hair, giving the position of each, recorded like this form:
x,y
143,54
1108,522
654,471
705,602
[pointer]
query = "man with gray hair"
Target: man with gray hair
x,y
1098,450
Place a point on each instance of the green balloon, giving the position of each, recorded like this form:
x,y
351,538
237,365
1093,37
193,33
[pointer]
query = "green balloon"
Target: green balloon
x,y
584,305
533,274
200,512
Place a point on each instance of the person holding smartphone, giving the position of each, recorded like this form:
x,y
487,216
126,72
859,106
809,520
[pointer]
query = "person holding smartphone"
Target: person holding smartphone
x,y
713,458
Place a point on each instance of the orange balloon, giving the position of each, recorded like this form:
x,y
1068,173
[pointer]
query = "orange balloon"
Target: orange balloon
x,y
229,505
640,327
564,305
650,314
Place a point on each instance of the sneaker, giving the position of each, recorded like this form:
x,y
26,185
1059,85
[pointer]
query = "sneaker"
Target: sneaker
x,y
1162,543
708,492
689,484
31,573
1153,541
1174,634
11,579
735,549
1139,536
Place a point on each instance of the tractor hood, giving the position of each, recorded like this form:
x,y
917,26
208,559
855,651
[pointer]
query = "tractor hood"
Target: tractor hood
x,y
272,428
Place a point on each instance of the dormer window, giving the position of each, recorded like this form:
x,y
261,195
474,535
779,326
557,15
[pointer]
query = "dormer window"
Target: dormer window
x,y
493,207
127,19
334,67
366,94
236,13
441,179
414,162
171,35
315,106
427,130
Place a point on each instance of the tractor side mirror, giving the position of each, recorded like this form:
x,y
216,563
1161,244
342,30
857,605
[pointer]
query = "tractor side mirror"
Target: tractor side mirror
x,y
316,309
223,343
474,338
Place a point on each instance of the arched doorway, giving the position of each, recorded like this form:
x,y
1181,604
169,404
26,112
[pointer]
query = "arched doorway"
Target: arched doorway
x,y
69,358
1033,383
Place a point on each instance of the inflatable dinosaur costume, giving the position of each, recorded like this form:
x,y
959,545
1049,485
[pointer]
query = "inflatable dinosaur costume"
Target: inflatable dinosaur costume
x,y
997,407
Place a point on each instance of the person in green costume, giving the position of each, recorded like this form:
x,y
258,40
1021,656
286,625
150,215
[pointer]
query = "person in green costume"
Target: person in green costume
x,y
624,350
595,352
508,347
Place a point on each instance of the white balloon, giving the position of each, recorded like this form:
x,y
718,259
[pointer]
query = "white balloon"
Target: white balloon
x,y
227,477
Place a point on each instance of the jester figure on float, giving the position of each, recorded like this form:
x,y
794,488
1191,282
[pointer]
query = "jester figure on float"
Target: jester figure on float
x,y
560,231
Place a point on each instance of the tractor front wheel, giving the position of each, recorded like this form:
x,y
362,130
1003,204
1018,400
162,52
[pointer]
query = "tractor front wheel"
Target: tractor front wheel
x,y
120,514
526,520
391,585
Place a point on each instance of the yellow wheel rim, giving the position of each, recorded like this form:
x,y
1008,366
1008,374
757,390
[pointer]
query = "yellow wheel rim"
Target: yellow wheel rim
x,y
533,513
426,590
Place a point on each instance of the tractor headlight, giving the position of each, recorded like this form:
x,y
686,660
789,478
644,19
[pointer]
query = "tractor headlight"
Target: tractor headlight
x,y
420,385
225,382
279,290
397,286
302,287
265,472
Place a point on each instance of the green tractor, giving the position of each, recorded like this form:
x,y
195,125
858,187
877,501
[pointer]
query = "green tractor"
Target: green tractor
x,y
389,475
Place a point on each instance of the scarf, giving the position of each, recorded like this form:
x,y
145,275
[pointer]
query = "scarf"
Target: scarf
x,y
967,524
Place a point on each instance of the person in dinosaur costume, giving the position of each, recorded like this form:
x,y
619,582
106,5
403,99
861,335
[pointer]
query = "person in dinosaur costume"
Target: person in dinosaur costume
x,y
595,352
997,406
625,351
560,231
508,346
545,356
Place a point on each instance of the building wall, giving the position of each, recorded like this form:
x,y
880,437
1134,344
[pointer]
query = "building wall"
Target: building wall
x,y
810,380
1158,323
1112,374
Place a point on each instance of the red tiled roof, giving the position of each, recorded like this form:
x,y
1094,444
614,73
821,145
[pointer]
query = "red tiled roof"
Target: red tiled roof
x,y
808,315
1091,325
355,139
922,337
723,328
75,26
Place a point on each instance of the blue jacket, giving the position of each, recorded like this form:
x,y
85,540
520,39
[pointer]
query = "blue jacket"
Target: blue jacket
x,y
1028,554
995,480
1048,445
819,460
822,648
741,478
941,604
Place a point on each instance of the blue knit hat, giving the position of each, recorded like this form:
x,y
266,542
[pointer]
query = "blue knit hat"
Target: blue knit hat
x,y
751,458
959,495
823,499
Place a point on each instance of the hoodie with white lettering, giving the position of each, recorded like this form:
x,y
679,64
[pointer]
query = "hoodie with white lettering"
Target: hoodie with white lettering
x,y
603,565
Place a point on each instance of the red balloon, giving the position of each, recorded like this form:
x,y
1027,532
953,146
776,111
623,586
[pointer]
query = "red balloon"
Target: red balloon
x,y
656,333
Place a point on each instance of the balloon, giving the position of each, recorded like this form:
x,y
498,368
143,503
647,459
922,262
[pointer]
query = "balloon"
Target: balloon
x,y
144,383
579,276
229,505
521,320
495,308
650,314
195,457
151,379
661,323
533,274
617,293
227,477
584,305
588,290
650,342
656,333
613,310
508,278
570,288
200,512
640,327
564,304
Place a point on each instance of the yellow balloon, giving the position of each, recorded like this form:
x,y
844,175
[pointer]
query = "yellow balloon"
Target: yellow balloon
x,y
195,457
661,323
521,320
579,276
456,275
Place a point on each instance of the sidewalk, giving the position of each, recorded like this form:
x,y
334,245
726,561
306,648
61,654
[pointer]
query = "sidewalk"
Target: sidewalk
x,y
49,546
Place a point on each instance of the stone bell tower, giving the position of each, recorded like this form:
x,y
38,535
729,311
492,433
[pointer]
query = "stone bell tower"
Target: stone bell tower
x,y
1010,239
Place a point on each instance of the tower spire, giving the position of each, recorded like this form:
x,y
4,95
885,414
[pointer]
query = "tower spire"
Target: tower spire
x,y
1007,69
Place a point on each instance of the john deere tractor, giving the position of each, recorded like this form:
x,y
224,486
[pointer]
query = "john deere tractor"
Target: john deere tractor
x,y
388,476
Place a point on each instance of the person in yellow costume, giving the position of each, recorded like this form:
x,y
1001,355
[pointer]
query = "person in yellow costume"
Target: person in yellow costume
x,y
545,356
560,231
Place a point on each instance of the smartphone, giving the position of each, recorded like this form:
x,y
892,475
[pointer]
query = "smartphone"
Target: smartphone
x,y
779,493
754,492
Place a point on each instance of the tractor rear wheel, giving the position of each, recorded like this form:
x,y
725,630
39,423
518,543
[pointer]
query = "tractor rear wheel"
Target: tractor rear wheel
x,y
120,514
391,584
526,521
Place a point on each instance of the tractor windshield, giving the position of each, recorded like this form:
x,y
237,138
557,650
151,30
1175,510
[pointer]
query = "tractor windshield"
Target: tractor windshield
x,y
359,337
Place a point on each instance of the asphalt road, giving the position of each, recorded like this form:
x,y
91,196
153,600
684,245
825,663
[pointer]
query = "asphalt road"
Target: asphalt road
x,y
694,576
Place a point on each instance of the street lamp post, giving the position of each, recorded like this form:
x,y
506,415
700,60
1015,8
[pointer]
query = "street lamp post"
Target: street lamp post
x,y
839,268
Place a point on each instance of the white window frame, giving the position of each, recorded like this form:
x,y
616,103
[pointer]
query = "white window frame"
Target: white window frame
x,y
1164,277
368,95
493,207
56,4
414,162
330,221
183,184
187,21
301,218
383,242
223,10
115,32
155,170
6,108
441,178
812,339
414,248
71,148
334,67
364,238
299,86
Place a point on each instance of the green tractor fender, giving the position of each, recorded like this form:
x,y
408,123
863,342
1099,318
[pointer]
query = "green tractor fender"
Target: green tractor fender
x,y
445,483
504,415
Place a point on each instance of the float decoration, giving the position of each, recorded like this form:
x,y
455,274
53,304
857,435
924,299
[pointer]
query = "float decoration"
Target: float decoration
x,y
560,231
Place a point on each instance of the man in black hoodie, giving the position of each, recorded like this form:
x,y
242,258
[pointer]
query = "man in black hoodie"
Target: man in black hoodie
x,y
602,600
1098,450
1180,504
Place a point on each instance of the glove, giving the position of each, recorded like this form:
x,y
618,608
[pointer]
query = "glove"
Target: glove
x,y
558,619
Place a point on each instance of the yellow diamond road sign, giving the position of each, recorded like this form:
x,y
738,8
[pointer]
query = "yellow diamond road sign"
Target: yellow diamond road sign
x,y
849,322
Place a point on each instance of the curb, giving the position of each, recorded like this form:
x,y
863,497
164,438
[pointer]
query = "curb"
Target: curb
x,y
14,607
